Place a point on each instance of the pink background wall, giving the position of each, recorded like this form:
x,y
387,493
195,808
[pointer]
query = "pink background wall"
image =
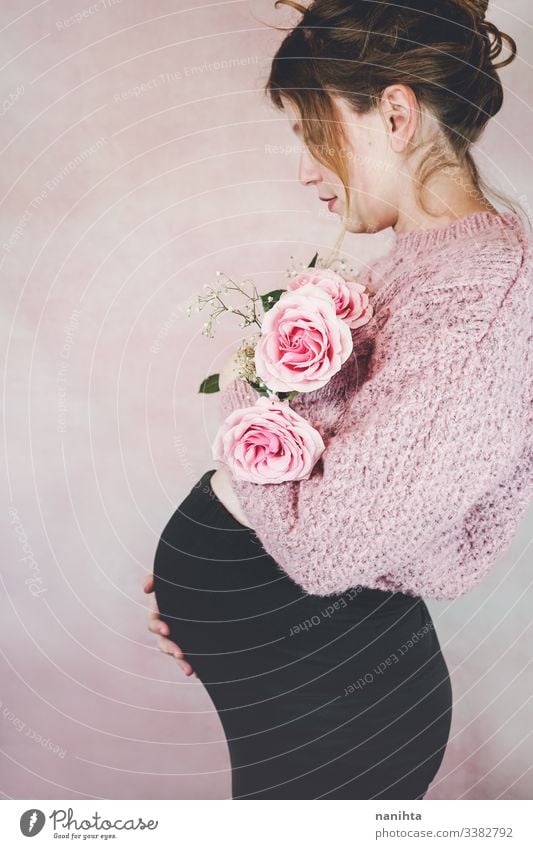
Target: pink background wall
x,y
118,203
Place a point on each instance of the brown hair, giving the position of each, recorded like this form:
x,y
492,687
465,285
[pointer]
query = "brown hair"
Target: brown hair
x,y
444,50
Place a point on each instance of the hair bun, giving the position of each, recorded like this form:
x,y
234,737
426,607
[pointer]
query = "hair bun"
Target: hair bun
x,y
483,6
478,7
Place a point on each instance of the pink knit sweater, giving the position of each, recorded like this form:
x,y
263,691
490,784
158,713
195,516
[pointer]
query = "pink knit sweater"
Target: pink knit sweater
x,y
428,463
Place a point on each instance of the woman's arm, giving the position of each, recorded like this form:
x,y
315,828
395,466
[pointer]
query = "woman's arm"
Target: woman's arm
x,y
421,441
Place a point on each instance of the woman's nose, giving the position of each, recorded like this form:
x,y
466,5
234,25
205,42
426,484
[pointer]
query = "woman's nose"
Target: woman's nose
x,y
308,169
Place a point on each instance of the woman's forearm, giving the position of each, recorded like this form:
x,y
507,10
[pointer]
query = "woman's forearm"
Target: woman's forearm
x,y
223,489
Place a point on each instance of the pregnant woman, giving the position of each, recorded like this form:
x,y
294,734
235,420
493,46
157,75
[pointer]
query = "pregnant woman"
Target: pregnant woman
x,y
300,605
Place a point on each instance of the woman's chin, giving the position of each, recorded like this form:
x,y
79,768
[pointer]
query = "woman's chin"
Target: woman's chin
x,y
355,226
366,227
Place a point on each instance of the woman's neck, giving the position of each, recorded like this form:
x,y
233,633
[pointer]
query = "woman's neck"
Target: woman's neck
x,y
448,196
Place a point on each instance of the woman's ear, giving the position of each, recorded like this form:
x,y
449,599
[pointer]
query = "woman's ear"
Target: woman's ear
x,y
401,112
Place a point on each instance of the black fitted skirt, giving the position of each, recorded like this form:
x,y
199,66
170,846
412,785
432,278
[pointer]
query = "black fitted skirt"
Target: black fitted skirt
x,y
343,696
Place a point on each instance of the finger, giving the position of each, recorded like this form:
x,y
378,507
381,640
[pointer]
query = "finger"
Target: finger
x,y
149,584
154,616
169,647
153,605
156,625
187,668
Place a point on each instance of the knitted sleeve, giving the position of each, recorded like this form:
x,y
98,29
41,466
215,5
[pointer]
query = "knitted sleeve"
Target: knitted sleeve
x,y
431,430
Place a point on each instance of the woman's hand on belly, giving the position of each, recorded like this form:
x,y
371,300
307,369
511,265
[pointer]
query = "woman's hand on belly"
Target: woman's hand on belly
x,y
157,626
223,489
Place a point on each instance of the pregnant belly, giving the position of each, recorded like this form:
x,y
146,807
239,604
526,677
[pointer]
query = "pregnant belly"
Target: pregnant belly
x,y
233,610
223,598
297,677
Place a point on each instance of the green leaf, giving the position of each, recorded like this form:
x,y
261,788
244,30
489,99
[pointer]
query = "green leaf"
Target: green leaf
x,y
313,261
293,394
210,384
288,396
271,298
262,390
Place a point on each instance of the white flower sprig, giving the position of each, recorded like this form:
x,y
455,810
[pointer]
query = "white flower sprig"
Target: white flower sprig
x,y
340,266
254,303
213,299
253,308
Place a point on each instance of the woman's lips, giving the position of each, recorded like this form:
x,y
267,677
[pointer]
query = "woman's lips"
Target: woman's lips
x,y
330,201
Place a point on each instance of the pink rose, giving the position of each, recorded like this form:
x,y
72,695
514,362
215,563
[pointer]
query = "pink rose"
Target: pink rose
x,y
303,343
268,443
351,300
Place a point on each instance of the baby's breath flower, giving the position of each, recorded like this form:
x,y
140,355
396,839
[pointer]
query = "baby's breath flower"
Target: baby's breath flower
x,y
214,297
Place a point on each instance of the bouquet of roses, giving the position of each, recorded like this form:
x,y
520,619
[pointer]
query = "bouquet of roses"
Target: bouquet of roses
x,y
303,340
